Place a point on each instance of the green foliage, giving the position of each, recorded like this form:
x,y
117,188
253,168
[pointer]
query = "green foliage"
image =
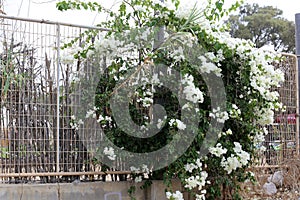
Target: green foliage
x,y
241,68
263,26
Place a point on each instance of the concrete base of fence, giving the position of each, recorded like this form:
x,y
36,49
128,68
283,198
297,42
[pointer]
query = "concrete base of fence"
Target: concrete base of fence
x,y
83,191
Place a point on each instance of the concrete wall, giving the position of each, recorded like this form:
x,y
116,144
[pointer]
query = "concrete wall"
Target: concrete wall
x,y
83,191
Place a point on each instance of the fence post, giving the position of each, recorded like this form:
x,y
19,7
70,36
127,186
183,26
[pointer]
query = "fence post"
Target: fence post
x,y
297,36
159,37
57,95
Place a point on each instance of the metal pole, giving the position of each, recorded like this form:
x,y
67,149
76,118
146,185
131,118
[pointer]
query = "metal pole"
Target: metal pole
x,y
297,36
57,96
159,37
297,21
42,21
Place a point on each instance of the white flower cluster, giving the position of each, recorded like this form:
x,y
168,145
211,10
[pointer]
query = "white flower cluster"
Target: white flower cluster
x,y
185,9
108,45
177,54
67,55
226,133
218,150
161,122
263,76
259,138
110,153
113,46
191,92
190,167
265,116
209,67
75,125
147,97
177,123
198,180
201,196
219,115
91,113
235,112
155,80
174,196
159,2
215,58
143,170
106,118
240,159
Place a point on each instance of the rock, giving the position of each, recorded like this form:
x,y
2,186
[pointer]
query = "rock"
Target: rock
x,y
270,188
76,181
276,178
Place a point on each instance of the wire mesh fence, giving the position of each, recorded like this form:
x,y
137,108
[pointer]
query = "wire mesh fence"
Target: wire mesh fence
x,y
39,139
282,142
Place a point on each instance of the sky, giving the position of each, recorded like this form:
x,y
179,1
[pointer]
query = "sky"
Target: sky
x,y
46,10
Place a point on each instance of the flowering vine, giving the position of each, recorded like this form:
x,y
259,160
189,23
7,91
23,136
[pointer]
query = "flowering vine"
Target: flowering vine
x,y
247,73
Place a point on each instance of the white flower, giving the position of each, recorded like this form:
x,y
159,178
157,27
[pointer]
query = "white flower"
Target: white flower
x,y
138,179
139,8
200,196
110,153
237,147
134,169
155,79
145,169
229,132
192,166
232,163
191,92
196,181
177,123
235,112
221,116
174,196
218,150
107,118
67,55
90,113
177,54
100,118
241,158
80,122
209,67
265,116
180,124
161,123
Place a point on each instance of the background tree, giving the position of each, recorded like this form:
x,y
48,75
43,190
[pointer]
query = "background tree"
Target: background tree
x,y
263,26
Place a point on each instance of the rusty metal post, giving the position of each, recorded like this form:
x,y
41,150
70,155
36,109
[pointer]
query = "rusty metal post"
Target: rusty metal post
x,y
297,36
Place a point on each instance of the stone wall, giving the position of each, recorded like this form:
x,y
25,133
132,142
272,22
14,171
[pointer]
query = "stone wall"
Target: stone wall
x,y
83,191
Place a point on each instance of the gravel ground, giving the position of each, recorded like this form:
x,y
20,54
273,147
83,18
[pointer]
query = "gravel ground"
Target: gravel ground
x,y
289,190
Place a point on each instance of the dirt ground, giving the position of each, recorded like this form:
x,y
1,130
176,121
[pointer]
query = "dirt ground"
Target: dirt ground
x,y
289,190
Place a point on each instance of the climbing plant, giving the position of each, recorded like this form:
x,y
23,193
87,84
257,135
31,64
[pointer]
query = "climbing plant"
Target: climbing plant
x,y
194,83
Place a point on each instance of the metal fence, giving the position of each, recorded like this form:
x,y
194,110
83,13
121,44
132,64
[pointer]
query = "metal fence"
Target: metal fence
x,y
38,142
37,139
282,142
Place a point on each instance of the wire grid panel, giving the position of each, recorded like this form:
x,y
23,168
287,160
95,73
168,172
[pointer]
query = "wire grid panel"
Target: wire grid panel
x,y
39,140
282,142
